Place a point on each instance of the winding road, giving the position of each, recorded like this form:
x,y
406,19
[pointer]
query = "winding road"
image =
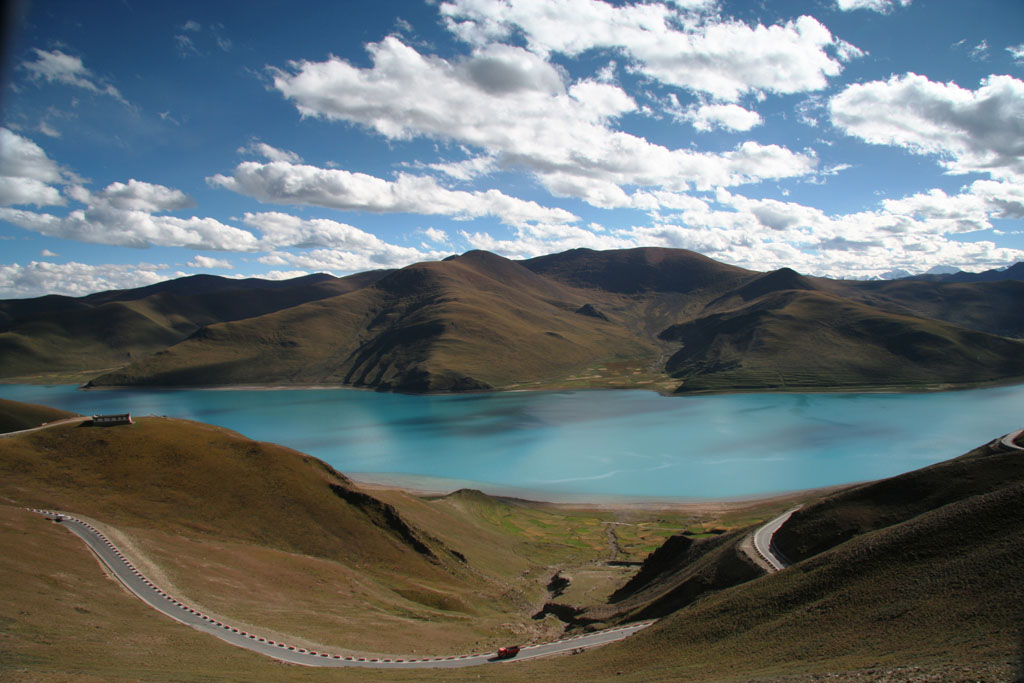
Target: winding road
x,y
1010,440
158,599
763,541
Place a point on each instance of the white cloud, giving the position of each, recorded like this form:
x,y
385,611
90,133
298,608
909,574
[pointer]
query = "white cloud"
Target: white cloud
x,y
283,274
883,6
339,262
914,233
282,182
46,253
209,263
122,215
435,235
75,279
1017,52
467,169
980,51
27,173
270,153
353,249
691,48
105,225
730,116
518,111
969,131
58,67
49,131
136,195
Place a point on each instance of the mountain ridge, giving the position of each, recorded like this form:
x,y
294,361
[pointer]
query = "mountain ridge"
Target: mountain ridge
x,y
665,319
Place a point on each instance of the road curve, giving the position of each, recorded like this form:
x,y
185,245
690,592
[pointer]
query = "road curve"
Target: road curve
x,y
1010,440
159,600
763,541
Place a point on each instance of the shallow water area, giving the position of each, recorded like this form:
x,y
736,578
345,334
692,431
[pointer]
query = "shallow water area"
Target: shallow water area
x,y
597,444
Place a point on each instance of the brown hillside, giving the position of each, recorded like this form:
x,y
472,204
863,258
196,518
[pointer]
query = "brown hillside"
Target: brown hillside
x,y
993,307
110,329
15,416
471,322
862,509
633,271
799,338
223,484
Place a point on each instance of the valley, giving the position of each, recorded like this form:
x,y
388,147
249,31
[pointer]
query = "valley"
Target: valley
x,y
278,543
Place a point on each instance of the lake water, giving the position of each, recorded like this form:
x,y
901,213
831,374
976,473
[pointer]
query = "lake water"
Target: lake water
x,y
590,444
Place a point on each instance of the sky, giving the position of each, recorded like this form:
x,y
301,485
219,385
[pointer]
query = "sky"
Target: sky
x,y
143,141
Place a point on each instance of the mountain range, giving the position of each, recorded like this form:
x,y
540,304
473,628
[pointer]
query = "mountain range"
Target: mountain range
x,y
666,319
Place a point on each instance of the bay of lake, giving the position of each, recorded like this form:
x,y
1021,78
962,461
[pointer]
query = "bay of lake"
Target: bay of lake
x,y
589,445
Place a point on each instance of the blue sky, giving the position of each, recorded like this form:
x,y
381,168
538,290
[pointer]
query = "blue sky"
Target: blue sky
x,y
852,138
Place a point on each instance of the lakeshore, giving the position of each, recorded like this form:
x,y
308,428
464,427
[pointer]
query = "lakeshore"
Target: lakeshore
x,y
581,446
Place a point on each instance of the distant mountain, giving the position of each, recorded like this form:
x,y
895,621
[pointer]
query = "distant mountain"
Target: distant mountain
x,y
109,329
1014,272
665,319
474,322
634,271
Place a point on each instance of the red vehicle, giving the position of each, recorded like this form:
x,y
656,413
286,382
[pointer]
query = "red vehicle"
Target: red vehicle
x,y
508,652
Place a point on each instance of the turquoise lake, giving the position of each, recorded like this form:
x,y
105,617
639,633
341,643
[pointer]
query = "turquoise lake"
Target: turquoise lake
x,y
590,444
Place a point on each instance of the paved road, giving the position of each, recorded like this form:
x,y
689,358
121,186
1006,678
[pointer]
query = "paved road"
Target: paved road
x,y
159,600
763,541
67,420
1010,440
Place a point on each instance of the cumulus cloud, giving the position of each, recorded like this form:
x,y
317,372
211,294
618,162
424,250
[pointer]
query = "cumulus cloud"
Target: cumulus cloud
x,y
283,274
28,174
882,6
514,106
914,233
685,46
339,262
136,195
270,153
1017,52
729,116
209,263
353,249
59,67
283,182
969,131
76,279
122,214
435,235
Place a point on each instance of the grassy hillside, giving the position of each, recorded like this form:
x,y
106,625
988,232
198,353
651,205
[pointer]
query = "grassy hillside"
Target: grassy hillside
x,y
795,338
869,507
635,271
276,540
473,322
929,588
15,416
663,319
110,329
123,475
924,581
992,307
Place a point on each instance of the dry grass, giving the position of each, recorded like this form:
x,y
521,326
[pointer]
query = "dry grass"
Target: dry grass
x,y
15,415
